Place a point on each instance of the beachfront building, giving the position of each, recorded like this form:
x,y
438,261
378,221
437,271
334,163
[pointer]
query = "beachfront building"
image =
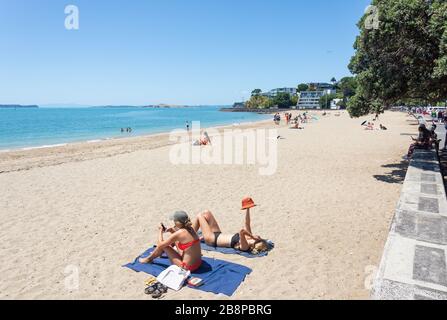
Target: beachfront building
x,y
274,92
310,99
334,104
321,86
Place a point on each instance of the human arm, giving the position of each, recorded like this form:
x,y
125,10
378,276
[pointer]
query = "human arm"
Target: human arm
x,y
161,245
248,221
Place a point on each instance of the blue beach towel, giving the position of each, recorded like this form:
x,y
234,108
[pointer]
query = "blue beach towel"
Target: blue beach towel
x,y
218,276
234,251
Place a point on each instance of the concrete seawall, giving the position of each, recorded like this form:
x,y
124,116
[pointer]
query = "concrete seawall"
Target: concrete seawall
x,y
413,265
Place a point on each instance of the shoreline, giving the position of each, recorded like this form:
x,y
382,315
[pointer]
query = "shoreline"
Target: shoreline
x,y
95,140
28,157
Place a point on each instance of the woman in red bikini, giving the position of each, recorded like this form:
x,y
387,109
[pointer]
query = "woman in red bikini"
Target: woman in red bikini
x,y
188,254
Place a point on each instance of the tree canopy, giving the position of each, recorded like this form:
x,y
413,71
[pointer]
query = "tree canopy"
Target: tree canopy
x,y
282,100
302,87
259,102
403,57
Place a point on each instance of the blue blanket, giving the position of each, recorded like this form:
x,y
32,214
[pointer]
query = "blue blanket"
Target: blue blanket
x,y
218,276
234,251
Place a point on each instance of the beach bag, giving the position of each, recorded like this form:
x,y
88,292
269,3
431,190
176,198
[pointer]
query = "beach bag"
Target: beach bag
x,y
173,277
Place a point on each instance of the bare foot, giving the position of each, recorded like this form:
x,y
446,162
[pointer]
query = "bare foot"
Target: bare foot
x,y
145,260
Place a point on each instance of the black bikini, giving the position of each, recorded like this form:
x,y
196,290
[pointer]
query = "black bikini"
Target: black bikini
x,y
234,241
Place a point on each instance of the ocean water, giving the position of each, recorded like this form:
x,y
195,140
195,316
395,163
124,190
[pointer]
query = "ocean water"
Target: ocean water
x,y
28,128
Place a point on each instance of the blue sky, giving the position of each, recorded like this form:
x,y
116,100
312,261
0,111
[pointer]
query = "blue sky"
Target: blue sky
x,y
170,51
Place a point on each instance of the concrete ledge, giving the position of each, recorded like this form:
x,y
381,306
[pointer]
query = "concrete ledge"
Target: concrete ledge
x,y
414,263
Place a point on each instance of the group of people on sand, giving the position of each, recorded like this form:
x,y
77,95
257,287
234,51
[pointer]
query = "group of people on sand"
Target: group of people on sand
x,y
183,243
294,121
426,139
371,125
128,130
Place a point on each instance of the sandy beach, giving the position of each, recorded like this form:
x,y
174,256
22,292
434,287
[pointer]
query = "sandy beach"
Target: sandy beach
x,y
96,206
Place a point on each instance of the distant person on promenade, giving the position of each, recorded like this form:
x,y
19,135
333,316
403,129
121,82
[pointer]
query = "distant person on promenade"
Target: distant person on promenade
x,y
244,240
422,142
440,116
434,138
445,140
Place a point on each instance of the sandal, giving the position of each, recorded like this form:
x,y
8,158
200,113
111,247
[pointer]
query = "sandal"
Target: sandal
x,y
156,290
150,289
157,294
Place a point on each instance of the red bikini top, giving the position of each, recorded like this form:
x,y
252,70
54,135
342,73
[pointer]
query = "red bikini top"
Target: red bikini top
x,y
188,245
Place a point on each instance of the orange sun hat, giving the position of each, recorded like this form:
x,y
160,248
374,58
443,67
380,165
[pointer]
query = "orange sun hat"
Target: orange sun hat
x,y
248,203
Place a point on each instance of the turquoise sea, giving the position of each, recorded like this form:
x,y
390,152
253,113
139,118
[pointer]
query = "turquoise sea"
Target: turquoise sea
x,y
28,128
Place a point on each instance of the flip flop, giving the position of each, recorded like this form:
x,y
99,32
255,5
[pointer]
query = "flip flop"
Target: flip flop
x,y
157,294
151,289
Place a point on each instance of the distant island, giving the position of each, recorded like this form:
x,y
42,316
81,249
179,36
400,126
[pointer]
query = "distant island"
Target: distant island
x,y
17,106
156,106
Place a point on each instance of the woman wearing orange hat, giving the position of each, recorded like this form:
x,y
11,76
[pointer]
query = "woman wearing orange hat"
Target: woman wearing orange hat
x,y
244,240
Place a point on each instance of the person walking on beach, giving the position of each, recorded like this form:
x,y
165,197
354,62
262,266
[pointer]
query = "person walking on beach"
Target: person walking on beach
x,y
187,126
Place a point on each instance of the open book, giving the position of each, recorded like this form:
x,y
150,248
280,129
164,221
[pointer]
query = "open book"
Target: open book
x,y
174,277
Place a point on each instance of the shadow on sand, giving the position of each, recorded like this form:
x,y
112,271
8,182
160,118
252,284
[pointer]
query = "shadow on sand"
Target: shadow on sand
x,y
397,173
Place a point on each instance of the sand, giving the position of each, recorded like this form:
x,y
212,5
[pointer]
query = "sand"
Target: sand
x,y
94,207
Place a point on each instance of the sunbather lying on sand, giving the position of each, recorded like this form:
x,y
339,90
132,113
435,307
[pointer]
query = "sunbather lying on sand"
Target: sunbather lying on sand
x,y
243,241
204,140
189,253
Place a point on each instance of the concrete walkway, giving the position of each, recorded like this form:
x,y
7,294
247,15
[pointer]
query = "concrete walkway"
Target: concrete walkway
x,y
413,265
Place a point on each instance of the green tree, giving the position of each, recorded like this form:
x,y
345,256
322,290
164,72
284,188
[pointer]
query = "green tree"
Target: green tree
x,y
293,100
404,58
347,87
259,102
256,92
282,100
302,87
